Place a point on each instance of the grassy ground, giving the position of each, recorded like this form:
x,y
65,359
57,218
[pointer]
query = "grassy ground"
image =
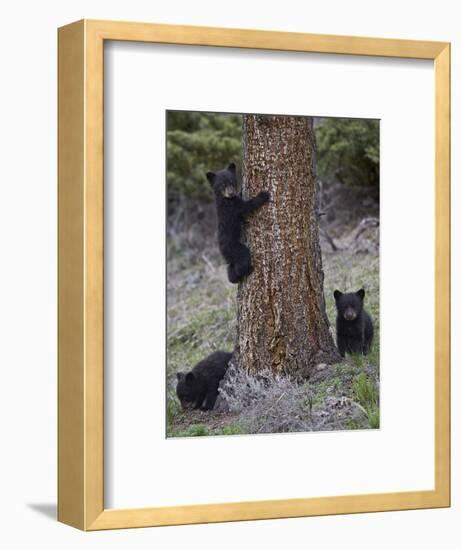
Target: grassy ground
x,y
202,319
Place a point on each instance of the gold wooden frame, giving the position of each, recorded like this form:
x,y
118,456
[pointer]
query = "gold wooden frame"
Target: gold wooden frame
x,y
81,373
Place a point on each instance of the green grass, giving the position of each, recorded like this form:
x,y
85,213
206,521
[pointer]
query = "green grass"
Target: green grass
x,y
373,418
365,391
196,430
366,394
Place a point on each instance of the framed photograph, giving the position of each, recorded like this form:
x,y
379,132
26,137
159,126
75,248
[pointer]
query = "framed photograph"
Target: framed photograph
x,y
254,275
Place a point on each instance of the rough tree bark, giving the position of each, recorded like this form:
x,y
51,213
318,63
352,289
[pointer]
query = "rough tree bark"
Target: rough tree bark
x,y
282,323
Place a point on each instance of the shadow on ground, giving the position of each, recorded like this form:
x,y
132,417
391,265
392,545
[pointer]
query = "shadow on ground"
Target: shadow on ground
x,y
48,510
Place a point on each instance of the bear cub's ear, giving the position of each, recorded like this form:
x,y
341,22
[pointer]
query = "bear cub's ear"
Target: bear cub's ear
x,y
361,293
210,176
231,167
190,377
337,294
179,375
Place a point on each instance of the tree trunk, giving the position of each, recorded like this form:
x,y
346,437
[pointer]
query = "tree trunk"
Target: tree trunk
x,y
282,323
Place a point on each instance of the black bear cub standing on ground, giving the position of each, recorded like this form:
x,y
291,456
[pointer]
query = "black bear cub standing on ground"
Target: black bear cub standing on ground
x,y
232,211
354,327
198,388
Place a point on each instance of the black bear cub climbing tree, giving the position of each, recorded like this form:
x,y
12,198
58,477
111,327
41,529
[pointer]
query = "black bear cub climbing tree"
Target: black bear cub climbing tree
x,y
282,323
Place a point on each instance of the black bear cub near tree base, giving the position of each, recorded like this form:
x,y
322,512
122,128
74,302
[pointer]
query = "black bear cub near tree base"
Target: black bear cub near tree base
x,y
198,389
354,327
232,212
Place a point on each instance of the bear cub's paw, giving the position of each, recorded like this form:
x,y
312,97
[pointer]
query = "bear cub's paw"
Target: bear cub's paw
x,y
264,196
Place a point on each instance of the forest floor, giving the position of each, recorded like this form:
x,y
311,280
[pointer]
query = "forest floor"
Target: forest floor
x,y
201,319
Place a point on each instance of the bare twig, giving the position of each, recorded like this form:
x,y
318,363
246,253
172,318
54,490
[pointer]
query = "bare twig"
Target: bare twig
x,y
329,239
208,263
269,410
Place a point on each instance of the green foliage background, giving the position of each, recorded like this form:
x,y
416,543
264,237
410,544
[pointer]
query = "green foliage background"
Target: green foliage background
x,y
197,143
348,151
